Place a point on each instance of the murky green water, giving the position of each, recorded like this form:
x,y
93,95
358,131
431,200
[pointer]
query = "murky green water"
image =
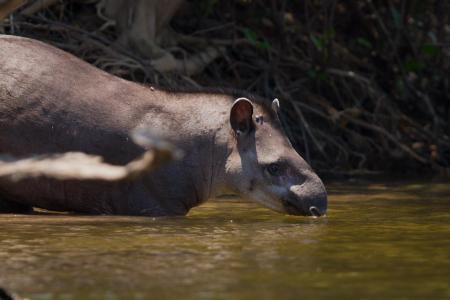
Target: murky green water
x,y
378,242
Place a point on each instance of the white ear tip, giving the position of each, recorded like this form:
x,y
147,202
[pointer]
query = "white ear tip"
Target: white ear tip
x,y
242,99
275,104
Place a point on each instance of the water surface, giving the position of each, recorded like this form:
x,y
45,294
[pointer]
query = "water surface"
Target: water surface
x,y
379,241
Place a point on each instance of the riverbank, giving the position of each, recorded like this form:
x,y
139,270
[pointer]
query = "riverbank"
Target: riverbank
x,y
363,86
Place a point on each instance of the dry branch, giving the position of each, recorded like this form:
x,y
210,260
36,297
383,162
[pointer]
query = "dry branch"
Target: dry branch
x,y
82,166
37,6
7,7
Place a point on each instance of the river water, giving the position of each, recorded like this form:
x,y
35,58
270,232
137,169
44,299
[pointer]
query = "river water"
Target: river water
x,y
378,241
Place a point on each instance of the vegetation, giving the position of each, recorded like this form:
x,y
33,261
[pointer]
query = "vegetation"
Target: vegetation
x,y
363,85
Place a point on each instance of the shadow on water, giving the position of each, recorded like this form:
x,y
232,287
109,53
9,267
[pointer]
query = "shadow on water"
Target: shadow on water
x,y
379,241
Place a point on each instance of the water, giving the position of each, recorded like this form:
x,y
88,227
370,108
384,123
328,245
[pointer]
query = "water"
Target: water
x,y
377,242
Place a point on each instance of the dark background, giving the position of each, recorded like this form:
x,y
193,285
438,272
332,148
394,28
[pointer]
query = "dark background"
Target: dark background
x,y
363,85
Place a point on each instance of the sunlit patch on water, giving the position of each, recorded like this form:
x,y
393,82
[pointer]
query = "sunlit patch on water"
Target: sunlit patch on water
x,y
378,241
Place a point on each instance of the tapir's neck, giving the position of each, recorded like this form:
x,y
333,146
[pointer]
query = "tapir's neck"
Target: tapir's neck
x,y
199,125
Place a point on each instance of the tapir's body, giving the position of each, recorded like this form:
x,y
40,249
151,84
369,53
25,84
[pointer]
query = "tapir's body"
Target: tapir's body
x,y
52,102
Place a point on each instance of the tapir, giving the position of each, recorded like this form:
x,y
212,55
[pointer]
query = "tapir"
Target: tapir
x,y
233,142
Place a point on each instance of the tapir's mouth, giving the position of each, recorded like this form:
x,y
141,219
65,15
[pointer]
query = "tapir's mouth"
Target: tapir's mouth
x,y
299,210
293,209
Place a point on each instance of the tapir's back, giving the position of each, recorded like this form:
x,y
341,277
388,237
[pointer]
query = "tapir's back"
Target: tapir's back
x,y
50,101
53,102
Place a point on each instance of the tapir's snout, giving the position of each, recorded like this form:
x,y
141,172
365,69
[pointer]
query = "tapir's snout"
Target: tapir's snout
x,y
307,199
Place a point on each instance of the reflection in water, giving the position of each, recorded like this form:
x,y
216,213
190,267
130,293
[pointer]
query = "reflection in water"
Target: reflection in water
x,y
378,242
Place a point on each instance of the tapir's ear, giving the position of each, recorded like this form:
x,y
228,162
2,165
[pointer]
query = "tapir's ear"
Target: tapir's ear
x,y
241,116
276,105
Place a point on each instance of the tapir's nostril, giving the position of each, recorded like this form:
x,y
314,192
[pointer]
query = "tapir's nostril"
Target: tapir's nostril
x,y
315,211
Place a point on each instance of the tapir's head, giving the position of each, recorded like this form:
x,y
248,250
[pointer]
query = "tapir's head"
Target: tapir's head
x,y
264,167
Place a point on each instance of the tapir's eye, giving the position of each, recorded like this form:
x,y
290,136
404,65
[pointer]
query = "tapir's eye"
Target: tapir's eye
x,y
274,169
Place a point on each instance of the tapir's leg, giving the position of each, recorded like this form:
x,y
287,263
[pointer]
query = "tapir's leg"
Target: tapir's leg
x,y
11,207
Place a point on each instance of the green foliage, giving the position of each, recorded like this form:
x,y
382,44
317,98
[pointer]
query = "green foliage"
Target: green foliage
x,y
317,75
396,16
207,7
364,42
430,50
257,41
413,65
318,41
